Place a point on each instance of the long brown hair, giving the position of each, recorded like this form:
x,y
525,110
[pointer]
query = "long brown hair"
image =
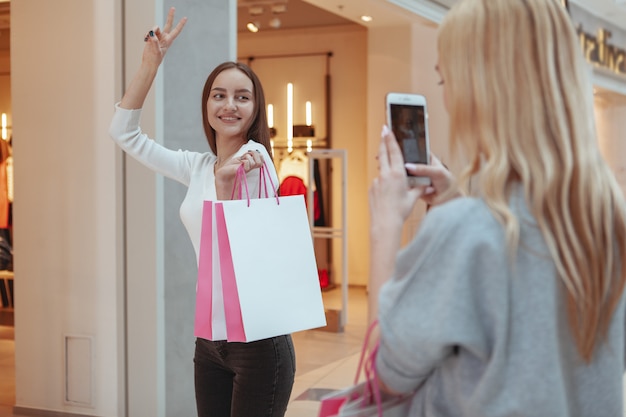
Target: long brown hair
x,y
521,105
258,130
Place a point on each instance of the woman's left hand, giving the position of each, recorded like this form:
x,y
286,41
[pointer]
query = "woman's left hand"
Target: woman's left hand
x,y
225,175
251,160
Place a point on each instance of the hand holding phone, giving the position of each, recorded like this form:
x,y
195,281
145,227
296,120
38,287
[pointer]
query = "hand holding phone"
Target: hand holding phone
x,y
407,117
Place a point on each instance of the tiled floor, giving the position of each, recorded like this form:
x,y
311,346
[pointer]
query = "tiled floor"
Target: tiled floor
x,y
328,361
7,372
324,360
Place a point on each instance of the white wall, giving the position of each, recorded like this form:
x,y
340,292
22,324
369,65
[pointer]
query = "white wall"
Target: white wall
x,y
101,255
610,111
65,206
408,66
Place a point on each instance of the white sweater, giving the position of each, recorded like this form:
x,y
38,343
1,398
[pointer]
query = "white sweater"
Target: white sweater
x,y
192,169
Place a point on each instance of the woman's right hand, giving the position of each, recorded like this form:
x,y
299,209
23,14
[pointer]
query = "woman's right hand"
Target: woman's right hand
x,y
441,180
158,41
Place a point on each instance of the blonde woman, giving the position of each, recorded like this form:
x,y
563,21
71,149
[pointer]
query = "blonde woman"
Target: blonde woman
x,y
510,302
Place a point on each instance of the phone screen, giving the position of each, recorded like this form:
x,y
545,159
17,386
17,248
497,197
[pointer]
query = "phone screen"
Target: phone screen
x,y
408,123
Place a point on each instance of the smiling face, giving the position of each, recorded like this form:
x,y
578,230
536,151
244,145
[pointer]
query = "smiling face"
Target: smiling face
x,y
230,105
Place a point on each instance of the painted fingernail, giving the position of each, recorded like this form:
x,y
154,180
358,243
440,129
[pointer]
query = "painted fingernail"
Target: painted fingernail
x,y
145,39
151,33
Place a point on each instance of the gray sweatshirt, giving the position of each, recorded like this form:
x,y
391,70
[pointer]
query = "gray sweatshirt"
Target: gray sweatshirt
x,y
478,337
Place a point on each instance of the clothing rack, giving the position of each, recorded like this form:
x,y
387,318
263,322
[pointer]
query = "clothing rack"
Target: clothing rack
x,y
330,232
301,143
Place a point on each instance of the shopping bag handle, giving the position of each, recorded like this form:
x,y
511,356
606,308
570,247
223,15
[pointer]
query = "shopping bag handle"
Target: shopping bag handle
x,y
265,177
367,364
242,179
365,350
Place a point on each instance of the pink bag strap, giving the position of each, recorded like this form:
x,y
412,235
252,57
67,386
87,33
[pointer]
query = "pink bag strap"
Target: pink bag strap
x,y
364,350
242,180
367,364
264,177
263,181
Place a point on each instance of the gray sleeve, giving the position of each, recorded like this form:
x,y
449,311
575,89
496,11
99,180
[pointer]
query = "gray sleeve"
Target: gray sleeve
x,y
432,304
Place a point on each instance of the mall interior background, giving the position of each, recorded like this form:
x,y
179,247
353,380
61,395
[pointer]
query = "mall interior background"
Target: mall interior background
x,y
104,271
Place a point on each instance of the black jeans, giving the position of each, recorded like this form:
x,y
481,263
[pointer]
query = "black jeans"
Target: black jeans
x,y
244,379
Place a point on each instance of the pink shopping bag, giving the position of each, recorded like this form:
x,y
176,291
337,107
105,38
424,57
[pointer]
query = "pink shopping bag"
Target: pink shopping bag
x,y
204,291
203,326
267,268
232,306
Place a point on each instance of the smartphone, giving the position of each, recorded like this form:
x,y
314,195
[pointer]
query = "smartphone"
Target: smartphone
x,y
407,117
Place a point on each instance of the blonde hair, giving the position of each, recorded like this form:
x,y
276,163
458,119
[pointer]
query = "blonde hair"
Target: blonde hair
x,y
520,104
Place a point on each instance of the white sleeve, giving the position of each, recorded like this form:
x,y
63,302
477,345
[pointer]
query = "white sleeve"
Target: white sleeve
x,y
126,132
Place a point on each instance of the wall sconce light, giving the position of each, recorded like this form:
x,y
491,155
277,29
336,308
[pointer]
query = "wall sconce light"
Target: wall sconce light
x,y
270,115
5,134
308,113
293,131
270,120
253,26
289,117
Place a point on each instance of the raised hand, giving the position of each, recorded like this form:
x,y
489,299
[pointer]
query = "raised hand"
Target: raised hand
x,y
159,40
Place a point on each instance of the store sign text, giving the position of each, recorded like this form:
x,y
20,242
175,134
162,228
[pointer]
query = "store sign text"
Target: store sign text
x,y
600,52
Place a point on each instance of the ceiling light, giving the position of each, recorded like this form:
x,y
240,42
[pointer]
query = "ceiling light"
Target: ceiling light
x,y
253,27
255,10
367,18
279,8
275,23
